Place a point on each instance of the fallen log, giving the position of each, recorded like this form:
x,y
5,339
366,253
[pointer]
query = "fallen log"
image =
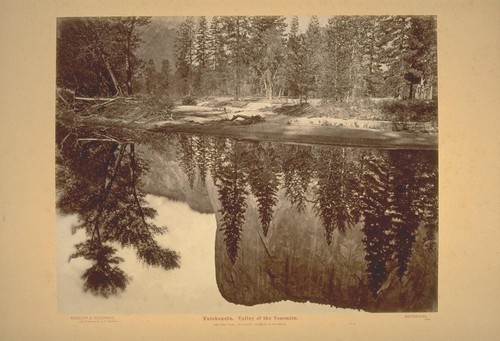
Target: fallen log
x,y
105,103
96,98
239,116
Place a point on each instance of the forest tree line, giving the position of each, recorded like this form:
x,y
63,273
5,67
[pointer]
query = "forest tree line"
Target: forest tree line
x,y
352,57
391,193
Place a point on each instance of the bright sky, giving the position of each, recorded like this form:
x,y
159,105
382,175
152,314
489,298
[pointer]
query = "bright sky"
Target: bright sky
x,y
190,289
303,21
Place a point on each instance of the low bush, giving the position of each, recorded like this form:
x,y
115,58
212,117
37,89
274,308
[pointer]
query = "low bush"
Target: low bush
x,y
404,114
157,106
292,109
238,104
189,100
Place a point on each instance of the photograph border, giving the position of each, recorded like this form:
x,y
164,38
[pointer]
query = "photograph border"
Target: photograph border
x,y
468,105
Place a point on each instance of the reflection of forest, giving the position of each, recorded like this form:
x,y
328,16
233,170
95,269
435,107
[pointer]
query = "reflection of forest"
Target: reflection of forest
x,y
328,224
98,179
391,193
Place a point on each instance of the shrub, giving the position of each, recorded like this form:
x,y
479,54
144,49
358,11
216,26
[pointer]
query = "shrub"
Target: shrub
x,y
189,100
162,101
238,104
403,114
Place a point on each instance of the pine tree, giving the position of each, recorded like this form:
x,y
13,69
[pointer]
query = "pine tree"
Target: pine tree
x,y
377,224
187,160
218,74
236,29
336,193
201,156
408,53
313,47
164,76
300,63
201,54
396,55
104,277
262,167
151,78
298,166
292,62
216,42
423,60
184,56
428,204
343,76
399,195
231,180
335,82
423,188
267,51
219,148
372,49
405,219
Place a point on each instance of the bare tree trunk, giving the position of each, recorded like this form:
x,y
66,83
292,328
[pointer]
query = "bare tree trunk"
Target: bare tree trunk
x,y
97,43
110,71
128,67
106,189
237,92
268,81
238,62
112,75
127,57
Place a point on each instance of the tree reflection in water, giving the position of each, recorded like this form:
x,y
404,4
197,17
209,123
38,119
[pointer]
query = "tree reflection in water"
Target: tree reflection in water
x,y
297,168
263,166
389,192
388,195
400,193
98,180
336,196
231,183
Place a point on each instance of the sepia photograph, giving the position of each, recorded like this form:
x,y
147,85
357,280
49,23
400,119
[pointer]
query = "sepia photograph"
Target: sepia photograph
x,y
222,164
253,170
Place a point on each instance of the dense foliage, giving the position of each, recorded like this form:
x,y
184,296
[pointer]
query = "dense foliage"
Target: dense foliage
x,y
351,58
404,113
391,193
96,56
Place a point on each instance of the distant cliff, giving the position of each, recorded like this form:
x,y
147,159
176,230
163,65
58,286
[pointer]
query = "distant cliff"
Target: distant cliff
x,y
158,40
166,178
294,262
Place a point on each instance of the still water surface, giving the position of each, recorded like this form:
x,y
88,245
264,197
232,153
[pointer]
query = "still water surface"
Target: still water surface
x,y
248,223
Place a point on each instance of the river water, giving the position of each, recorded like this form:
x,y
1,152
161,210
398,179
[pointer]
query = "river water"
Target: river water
x,y
251,227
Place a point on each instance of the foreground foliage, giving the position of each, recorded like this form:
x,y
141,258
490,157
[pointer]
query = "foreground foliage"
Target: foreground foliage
x,y
98,179
404,114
